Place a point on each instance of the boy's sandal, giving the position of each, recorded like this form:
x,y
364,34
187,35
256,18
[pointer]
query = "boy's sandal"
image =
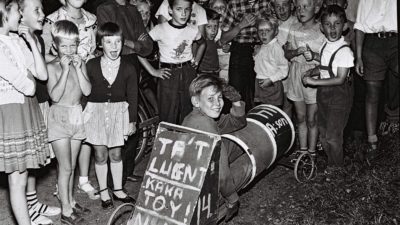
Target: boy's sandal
x,y
89,190
127,199
73,219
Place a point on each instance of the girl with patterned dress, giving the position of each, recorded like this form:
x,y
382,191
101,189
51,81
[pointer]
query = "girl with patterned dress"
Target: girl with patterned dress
x,y
111,112
23,134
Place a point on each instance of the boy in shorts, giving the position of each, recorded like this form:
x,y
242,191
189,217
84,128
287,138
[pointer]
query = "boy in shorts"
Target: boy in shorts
x,y
67,83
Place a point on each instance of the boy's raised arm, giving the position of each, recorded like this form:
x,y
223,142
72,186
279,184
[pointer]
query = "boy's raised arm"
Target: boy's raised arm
x,y
56,84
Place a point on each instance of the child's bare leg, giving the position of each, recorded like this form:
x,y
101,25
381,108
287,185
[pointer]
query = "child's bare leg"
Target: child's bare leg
x,y
84,160
62,150
116,170
101,167
75,148
312,126
287,105
371,108
301,110
17,186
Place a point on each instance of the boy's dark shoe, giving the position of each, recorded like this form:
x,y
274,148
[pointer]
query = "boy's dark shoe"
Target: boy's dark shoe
x,y
134,178
73,219
232,211
80,210
371,151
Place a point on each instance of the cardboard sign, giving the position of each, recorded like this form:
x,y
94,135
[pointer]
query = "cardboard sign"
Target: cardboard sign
x,y
206,212
174,176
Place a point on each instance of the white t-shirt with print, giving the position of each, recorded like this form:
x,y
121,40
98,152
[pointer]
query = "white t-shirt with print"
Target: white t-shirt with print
x,y
197,18
175,44
344,57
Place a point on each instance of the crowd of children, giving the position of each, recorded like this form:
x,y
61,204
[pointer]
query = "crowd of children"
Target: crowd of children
x,y
295,54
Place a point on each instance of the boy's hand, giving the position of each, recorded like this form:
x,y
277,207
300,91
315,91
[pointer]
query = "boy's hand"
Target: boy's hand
x,y
77,61
301,50
308,54
163,73
256,49
65,62
265,83
226,47
247,21
231,93
23,31
309,76
194,64
360,67
131,128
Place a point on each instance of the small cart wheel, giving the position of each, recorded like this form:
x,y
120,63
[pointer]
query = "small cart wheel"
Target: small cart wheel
x,y
304,168
121,214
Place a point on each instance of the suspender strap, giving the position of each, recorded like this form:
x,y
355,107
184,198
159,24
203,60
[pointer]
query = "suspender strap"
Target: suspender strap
x,y
329,67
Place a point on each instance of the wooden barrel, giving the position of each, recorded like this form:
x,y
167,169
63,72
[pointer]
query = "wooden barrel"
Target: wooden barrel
x,y
269,134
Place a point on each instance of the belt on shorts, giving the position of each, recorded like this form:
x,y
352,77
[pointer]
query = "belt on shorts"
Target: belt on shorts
x,y
174,65
383,34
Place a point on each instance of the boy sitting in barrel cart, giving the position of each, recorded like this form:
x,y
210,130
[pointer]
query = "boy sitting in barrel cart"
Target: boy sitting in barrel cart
x,y
207,93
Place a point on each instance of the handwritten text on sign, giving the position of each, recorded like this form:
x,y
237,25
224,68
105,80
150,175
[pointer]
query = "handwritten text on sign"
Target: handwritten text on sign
x,y
173,179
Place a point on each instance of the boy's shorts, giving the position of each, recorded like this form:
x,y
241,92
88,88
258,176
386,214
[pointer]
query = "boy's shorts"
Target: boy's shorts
x,y
379,55
65,122
296,91
269,95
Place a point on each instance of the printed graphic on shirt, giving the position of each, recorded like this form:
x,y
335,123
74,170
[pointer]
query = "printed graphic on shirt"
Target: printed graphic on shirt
x,y
180,50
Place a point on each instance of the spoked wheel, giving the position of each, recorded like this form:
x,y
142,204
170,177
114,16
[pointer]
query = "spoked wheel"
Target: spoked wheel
x,y
304,168
121,214
143,135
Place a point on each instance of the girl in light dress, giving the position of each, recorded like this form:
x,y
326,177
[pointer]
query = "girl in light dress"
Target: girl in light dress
x,y
23,133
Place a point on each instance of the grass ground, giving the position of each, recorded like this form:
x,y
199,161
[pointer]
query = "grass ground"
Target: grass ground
x,y
360,194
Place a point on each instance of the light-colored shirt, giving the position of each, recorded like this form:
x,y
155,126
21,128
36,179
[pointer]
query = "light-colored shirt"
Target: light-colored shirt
x,y
197,18
375,16
344,57
15,61
284,28
270,62
175,44
87,32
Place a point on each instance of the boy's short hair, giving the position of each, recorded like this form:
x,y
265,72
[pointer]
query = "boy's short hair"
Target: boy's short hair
x,y
212,15
148,2
108,29
5,6
273,22
204,81
64,29
333,10
172,2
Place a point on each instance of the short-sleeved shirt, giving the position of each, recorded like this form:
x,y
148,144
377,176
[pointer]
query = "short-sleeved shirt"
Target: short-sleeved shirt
x,y
284,28
87,32
175,43
344,57
237,9
197,18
